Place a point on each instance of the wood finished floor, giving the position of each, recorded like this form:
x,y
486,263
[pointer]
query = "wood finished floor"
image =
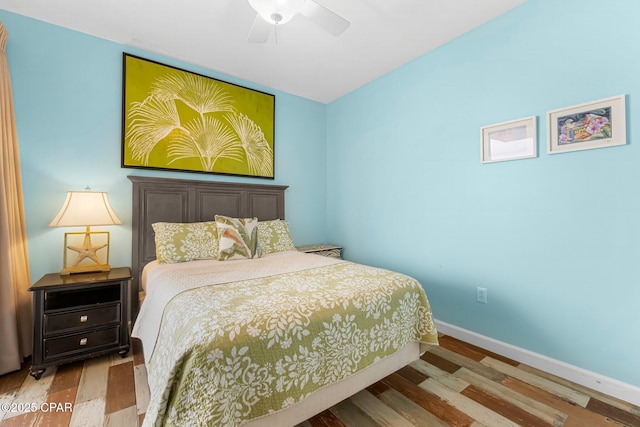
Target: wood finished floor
x,y
456,384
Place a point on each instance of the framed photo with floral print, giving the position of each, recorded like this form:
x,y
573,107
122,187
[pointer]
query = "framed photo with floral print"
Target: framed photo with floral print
x,y
515,139
594,124
173,119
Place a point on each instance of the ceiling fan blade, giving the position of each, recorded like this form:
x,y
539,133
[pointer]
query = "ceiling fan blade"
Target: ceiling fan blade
x,y
327,19
260,30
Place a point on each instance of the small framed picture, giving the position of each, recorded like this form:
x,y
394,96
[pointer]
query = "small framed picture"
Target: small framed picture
x,y
594,124
515,139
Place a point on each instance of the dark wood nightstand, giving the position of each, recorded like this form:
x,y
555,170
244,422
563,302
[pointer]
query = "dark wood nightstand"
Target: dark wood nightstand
x,y
331,251
79,316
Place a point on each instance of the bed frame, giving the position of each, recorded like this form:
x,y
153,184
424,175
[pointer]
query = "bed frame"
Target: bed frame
x,y
178,200
184,200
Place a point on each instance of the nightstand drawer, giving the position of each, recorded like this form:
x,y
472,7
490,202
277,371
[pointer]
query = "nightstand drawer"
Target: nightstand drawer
x,y
81,319
54,347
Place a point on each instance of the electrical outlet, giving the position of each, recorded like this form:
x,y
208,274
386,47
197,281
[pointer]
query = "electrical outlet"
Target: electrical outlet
x,y
481,295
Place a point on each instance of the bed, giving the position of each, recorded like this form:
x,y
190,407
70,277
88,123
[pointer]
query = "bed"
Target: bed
x,y
270,340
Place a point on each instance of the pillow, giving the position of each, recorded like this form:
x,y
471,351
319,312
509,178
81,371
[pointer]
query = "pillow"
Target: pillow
x,y
178,242
237,238
274,236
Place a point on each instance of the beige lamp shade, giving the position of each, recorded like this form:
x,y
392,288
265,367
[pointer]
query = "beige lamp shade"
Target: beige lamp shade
x,y
85,209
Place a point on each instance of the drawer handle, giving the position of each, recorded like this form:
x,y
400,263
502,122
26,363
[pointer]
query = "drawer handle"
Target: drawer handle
x,y
83,319
83,341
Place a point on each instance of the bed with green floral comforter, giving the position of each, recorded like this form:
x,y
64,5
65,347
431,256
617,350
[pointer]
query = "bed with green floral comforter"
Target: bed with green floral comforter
x,y
222,351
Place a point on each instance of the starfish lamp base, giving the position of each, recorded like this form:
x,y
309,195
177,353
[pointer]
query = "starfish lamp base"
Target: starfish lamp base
x,y
82,255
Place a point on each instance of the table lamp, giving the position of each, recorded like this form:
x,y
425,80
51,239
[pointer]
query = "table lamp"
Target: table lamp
x,y
85,209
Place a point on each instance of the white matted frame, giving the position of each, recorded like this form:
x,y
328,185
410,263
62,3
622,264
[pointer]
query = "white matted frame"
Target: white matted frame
x,y
594,124
512,140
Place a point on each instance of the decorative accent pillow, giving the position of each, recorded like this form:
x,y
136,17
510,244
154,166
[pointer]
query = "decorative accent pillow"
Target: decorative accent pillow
x,y
178,242
274,236
237,237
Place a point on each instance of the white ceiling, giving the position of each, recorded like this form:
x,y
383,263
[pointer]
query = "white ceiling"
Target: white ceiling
x,y
306,61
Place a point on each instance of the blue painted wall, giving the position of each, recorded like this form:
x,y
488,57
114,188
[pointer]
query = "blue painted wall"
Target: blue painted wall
x,y
67,90
554,239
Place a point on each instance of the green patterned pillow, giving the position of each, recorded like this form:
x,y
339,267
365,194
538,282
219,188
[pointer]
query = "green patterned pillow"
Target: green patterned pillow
x,y
178,242
274,236
237,238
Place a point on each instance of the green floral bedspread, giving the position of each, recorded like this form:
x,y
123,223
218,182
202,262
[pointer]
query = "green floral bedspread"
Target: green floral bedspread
x,y
232,352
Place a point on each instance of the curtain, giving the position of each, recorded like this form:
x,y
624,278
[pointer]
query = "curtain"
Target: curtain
x,y
15,299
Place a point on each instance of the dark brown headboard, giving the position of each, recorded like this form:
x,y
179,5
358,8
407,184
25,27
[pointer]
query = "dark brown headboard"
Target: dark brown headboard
x,y
182,200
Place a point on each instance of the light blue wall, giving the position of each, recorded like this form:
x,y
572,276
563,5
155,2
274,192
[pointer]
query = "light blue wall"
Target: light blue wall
x,y
67,90
554,239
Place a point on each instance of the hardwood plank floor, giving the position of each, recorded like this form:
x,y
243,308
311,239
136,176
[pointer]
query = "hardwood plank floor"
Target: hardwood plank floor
x,y
456,384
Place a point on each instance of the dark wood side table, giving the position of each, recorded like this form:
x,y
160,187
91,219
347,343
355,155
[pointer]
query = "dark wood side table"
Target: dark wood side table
x,y
327,250
79,316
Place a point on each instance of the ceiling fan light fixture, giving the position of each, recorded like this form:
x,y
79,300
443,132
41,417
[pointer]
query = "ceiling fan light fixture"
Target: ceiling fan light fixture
x,y
277,11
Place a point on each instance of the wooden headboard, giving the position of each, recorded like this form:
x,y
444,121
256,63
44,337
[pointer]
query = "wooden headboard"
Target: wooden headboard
x,y
182,200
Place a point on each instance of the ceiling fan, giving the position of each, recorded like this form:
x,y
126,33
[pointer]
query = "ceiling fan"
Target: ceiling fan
x,y
272,13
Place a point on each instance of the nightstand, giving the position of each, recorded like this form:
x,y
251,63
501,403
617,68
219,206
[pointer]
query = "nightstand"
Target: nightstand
x,y
79,316
327,250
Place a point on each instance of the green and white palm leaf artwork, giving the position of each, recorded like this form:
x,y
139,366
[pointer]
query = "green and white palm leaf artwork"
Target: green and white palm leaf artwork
x,y
259,153
207,140
201,94
152,120
175,119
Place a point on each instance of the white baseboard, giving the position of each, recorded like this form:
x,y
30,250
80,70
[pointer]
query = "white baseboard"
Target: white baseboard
x,y
592,380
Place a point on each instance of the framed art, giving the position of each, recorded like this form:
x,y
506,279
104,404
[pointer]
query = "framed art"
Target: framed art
x,y
515,139
173,119
595,124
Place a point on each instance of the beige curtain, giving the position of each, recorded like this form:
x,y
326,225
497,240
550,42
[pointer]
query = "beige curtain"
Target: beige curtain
x,y
15,299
